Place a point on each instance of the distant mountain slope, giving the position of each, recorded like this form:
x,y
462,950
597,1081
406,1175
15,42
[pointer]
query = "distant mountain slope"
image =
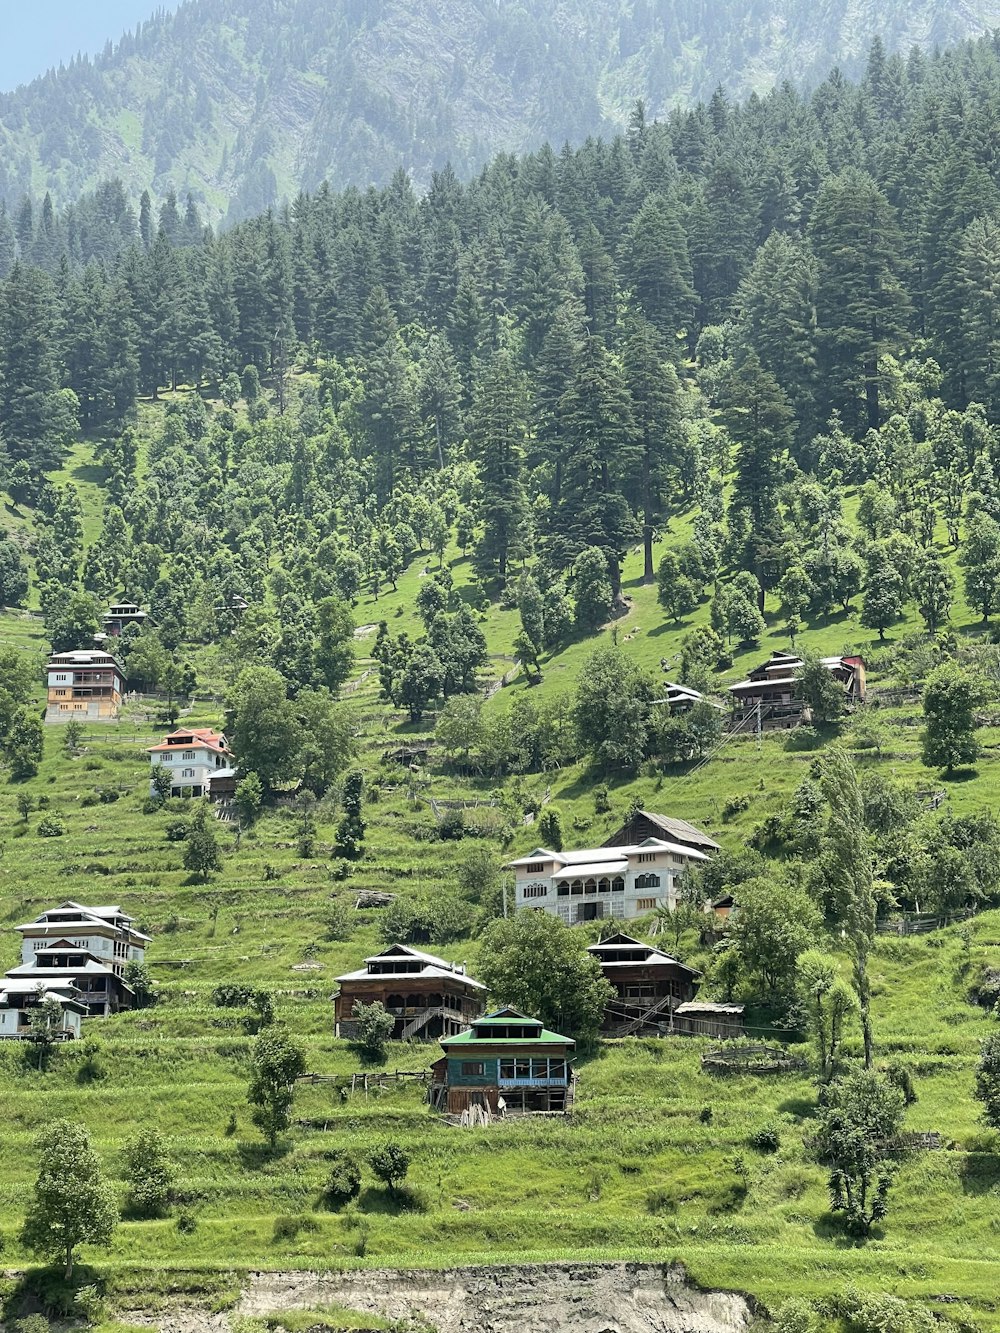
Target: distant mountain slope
x,y
244,103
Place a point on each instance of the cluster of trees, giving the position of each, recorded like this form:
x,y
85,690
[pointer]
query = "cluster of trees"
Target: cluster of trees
x,y
547,365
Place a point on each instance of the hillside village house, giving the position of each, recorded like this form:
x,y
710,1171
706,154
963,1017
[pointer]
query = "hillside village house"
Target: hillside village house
x,y
121,615
619,882
193,756
427,996
505,1062
85,685
649,985
19,997
644,824
768,693
79,953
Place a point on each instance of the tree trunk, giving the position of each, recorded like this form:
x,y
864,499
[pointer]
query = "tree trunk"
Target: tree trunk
x,y
69,1262
864,1000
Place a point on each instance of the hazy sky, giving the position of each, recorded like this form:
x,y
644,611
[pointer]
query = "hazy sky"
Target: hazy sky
x,y
37,34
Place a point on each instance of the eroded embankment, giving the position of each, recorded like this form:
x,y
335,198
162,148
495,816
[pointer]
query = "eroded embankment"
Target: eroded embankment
x,y
529,1298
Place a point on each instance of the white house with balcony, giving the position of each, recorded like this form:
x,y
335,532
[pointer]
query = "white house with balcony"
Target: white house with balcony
x,y
76,954
192,756
618,883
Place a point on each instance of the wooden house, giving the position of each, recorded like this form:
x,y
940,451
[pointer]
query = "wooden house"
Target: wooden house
x,y
700,1018
84,686
769,694
649,986
427,996
506,1063
121,615
680,699
643,824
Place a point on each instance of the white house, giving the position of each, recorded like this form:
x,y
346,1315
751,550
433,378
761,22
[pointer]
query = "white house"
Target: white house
x,y
19,997
193,756
107,933
603,882
79,953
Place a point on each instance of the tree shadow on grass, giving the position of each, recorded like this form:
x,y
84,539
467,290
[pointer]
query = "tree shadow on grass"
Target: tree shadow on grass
x,y
979,1173
46,1291
802,1108
373,1200
832,1227
960,775
258,1156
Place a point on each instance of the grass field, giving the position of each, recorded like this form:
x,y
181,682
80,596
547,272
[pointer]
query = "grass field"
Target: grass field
x,y
655,1162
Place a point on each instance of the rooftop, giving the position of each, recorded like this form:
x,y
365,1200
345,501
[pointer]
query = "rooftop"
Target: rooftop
x,y
599,857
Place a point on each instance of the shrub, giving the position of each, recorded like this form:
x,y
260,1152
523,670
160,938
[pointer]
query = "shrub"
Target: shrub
x,y
796,1316
108,795
452,826
88,799
344,1181
187,1223
51,827
900,1077
735,805
176,830
765,1139
32,1323
705,1115
288,1228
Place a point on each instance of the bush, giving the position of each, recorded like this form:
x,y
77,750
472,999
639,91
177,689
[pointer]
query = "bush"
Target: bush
x,y
176,830
51,827
452,826
108,795
796,1316
187,1223
88,799
288,1228
766,1139
735,806
344,1181
900,1077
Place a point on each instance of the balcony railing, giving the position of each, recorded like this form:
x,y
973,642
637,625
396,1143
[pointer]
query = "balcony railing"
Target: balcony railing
x,y
533,1082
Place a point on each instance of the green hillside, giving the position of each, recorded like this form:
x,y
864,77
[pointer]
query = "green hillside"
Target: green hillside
x,y
638,1172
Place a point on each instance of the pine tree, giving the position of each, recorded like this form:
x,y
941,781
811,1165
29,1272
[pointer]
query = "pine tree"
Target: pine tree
x,y
861,304
497,436
654,390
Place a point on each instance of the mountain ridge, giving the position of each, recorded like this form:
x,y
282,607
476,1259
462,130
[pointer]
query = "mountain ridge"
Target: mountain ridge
x,y
244,110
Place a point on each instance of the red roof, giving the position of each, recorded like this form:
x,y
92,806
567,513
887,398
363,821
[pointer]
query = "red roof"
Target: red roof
x,y
194,736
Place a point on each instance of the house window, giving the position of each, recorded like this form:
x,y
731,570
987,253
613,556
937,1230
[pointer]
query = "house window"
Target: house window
x,y
618,884
61,693
590,886
646,904
647,881
473,1068
576,887
643,992
562,890
536,868
61,676
188,754
506,1068
187,772
535,890
603,886
647,858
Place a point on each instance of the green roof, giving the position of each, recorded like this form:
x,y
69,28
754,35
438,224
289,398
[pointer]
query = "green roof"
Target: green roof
x,y
470,1038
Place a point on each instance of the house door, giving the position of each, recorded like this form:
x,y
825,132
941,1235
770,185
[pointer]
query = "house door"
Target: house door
x,y
590,912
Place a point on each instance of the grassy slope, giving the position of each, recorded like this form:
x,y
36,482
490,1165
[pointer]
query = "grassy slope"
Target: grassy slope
x,y
531,1190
